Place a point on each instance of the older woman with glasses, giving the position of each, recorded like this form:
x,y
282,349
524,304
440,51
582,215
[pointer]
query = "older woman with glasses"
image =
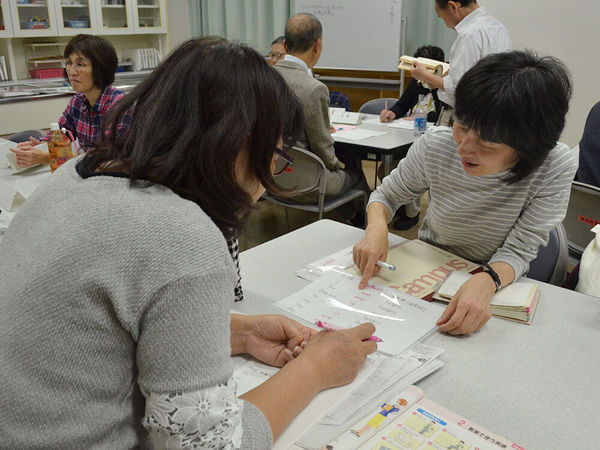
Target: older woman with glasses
x,y
90,65
123,339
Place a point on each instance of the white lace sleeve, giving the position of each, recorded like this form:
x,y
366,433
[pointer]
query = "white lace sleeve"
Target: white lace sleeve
x,y
207,418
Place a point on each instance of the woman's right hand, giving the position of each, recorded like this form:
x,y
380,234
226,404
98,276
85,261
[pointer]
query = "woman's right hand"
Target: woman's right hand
x,y
386,115
336,356
28,155
371,248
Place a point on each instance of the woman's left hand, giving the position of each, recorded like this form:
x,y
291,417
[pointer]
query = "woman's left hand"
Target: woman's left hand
x,y
470,308
273,339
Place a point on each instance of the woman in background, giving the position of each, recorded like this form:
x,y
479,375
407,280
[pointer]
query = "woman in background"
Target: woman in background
x,y
90,65
123,337
410,96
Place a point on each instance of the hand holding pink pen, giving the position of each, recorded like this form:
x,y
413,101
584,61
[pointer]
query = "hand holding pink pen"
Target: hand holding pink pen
x,y
331,327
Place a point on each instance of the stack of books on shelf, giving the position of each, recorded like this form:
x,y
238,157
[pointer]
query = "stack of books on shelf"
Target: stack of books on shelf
x,y
3,70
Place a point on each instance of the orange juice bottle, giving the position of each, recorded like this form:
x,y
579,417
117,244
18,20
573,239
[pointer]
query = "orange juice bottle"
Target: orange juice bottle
x,y
59,147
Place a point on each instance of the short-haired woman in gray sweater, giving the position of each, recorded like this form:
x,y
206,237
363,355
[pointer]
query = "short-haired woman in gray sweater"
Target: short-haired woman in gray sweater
x,y
123,336
498,182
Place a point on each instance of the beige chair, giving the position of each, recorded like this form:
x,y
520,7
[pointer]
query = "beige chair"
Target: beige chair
x,y
306,162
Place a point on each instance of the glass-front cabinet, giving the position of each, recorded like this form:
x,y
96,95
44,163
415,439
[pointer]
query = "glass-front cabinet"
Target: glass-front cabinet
x,y
149,16
32,18
74,16
114,17
5,27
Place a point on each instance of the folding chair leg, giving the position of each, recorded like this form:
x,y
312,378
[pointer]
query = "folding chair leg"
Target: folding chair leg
x,y
321,203
287,218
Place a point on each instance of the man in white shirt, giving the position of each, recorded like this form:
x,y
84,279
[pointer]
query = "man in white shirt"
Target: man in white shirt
x,y
479,34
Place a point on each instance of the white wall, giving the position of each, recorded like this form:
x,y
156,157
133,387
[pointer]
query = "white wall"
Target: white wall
x,y
178,22
569,30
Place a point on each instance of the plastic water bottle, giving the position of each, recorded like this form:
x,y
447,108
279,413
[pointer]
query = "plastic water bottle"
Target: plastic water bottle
x,y
59,147
420,117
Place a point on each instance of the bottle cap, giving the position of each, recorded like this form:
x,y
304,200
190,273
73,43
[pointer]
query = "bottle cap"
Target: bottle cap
x,y
54,126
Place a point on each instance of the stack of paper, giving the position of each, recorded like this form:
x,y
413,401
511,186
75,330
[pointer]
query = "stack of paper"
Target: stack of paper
x,y
409,420
335,410
516,301
340,115
400,319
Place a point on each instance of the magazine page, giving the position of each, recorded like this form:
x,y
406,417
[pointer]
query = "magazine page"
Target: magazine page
x,y
419,267
429,426
377,419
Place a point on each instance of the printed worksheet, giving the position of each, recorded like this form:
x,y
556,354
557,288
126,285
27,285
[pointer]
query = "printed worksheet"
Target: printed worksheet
x,y
400,319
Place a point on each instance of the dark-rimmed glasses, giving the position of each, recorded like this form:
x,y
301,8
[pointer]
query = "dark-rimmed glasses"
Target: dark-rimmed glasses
x,y
283,162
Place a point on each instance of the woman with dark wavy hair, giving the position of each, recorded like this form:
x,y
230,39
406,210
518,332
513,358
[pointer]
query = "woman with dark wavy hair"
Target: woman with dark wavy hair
x,y
124,337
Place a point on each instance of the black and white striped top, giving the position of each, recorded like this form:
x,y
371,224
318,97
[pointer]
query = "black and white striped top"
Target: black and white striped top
x,y
482,218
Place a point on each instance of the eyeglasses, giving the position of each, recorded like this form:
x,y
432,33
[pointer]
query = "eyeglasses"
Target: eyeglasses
x,y
79,65
283,162
276,56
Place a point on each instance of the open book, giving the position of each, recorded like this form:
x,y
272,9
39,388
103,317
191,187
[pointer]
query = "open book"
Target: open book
x,y
409,420
516,301
436,67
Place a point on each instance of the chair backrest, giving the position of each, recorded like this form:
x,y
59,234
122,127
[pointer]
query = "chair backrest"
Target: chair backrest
x,y
339,100
583,213
23,136
551,263
377,105
307,172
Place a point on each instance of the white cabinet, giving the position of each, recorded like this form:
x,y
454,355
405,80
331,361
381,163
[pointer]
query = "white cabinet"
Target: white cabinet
x,y
149,16
121,19
31,18
74,17
5,22
114,16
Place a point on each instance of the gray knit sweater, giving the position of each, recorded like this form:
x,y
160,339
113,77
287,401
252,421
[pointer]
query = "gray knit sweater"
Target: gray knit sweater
x,y
107,291
480,218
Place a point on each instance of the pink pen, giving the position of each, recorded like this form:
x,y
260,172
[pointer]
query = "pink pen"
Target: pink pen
x,y
331,327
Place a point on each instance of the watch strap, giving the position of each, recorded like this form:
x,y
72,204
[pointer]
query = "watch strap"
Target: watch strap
x,y
492,273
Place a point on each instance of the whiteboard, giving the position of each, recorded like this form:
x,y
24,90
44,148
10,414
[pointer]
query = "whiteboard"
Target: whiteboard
x,y
357,34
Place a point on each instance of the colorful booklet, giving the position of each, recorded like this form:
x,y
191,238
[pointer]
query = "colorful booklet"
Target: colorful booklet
x,y
408,420
517,301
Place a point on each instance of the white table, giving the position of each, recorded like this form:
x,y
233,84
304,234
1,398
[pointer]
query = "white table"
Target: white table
x,y
16,187
387,147
536,385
